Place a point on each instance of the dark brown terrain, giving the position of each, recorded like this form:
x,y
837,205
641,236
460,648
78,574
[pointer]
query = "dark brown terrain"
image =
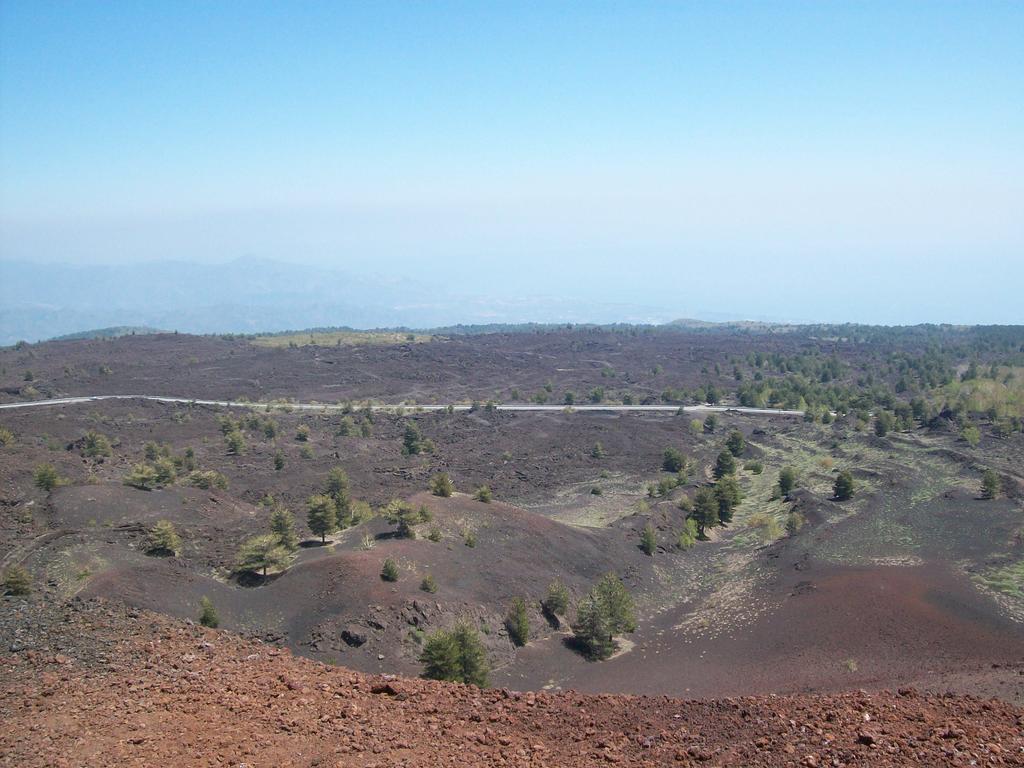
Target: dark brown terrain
x,y
915,582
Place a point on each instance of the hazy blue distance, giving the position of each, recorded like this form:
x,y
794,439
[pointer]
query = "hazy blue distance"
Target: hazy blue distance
x,y
808,161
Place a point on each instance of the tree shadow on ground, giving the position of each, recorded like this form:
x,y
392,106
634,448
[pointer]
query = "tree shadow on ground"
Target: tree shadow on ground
x,y
314,544
250,579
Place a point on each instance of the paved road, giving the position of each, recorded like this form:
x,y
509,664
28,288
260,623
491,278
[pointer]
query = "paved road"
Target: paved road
x,y
328,406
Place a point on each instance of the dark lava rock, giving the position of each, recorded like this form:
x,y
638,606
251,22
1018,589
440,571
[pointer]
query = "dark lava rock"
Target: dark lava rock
x,y
353,637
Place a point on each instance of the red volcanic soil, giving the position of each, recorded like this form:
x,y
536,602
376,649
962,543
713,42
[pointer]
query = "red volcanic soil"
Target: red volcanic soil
x,y
92,684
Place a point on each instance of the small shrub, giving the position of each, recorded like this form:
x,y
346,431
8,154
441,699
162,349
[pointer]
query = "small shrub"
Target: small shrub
x,y
405,516
843,488
648,540
413,442
16,581
442,485
666,485
597,452
227,424
208,614
735,443
971,435
990,484
142,476
428,584
235,443
787,480
187,461
389,571
435,534
756,467
151,451
469,539
46,477
6,437
207,479
165,471
672,460
483,493
556,601
688,535
163,540
884,422
302,433
96,445
360,511
517,623
278,460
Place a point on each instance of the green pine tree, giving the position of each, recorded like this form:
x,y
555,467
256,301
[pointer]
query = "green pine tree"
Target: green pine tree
x,y
282,525
321,516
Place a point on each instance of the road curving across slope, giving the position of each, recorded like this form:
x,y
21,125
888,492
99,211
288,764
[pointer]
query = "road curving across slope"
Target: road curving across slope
x,y
605,408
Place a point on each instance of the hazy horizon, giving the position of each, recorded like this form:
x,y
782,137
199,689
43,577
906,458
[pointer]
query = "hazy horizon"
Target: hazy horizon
x,y
785,161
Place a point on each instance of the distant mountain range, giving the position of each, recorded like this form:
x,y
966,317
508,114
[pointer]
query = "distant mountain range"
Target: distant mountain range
x,y
43,301
110,333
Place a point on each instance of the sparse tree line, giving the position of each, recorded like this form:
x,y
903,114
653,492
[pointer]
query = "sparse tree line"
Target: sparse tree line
x,y
907,392
327,512
713,505
458,654
161,468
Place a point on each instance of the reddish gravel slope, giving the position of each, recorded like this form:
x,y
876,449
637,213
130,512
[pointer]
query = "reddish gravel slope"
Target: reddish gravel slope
x,y
97,684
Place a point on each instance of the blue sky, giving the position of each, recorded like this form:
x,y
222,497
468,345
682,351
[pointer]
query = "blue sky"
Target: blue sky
x,y
823,161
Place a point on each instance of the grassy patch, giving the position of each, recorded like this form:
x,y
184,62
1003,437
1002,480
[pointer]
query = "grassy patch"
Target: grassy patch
x,y
72,570
576,504
1004,394
1006,579
343,338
